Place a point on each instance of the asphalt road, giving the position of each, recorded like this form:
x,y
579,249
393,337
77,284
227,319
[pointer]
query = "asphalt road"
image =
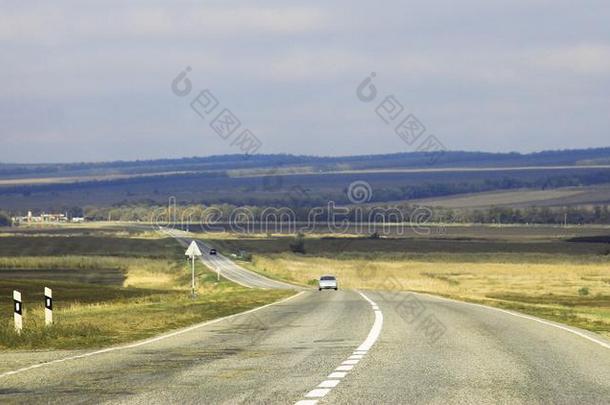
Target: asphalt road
x,y
228,268
279,354
330,347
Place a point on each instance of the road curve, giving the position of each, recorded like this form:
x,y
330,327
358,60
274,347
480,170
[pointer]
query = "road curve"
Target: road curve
x,y
228,268
439,351
274,355
429,350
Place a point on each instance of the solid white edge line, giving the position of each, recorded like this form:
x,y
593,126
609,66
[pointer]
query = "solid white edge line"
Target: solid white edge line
x,y
519,315
148,341
375,330
366,298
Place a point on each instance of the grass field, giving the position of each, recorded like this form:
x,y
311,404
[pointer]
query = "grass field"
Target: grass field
x,y
572,286
518,241
149,296
551,289
522,198
31,246
96,316
532,270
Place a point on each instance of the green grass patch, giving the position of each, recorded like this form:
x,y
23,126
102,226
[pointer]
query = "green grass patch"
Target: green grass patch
x,y
90,316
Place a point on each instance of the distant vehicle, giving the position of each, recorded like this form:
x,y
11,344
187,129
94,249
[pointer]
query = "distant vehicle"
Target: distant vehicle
x,y
328,283
213,252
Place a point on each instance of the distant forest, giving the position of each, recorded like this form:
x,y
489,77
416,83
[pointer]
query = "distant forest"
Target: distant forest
x,y
303,182
405,160
383,213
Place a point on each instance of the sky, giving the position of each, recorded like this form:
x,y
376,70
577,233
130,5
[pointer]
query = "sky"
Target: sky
x,y
94,81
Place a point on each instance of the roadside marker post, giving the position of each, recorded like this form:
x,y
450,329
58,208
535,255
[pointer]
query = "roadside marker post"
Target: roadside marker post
x,y
193,252
18,307
48,306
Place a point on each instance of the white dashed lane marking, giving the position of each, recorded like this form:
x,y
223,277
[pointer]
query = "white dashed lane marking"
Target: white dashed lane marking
x,y
344,368
337,374
328,384
318,393
341,371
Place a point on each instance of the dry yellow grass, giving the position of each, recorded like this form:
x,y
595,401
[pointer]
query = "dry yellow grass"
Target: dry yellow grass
x,y
139,272
92,315
468,278
548,289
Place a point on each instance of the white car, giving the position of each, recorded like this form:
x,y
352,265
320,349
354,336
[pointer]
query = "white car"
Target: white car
x,y
328,283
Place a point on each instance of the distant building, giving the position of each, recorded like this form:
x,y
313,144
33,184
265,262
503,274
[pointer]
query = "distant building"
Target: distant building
x,y
43,218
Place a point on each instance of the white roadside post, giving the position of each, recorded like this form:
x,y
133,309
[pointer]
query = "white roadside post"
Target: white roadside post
x,y
217,273
18,306
48,306
192,252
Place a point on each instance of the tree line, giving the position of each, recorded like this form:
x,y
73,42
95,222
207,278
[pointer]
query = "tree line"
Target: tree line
x,y
598,214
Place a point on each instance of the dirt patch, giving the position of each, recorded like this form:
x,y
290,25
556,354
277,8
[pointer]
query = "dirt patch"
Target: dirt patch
x,y
591,239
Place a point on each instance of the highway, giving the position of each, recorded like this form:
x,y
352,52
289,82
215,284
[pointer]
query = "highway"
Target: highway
x,y
228,269
343,347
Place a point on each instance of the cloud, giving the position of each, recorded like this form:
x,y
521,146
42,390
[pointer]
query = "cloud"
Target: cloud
x,y
479,73
581,59
51,24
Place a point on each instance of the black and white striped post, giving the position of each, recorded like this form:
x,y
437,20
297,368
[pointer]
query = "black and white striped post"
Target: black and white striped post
x,y
48,306
18,307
